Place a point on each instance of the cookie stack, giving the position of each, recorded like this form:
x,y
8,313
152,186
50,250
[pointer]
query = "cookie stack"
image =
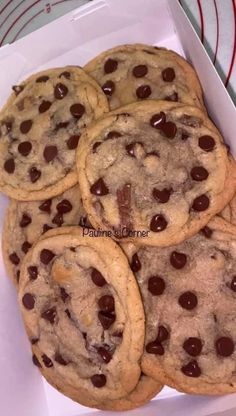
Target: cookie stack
x,y
120,235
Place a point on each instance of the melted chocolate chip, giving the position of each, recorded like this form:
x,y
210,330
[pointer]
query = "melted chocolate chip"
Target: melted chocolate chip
x,y
162,334
64,294
24,148
135,264
46,206
46,228
32,272
199,173
140,71
64,206
224,346
144,91
201,203
44,106
36,361
193,346
124,205
60,91
156,285
26,246
34,341
25,126
99,188
158,120
105,354
155,347
98,380
158,223
161,195
59,359
17,89
46,256
191,369
25,220
95,146
43,78
206,143
178,260
49,315
97,278
65,74
118,334
207,231
58,219
188,300
73,141
49,153
14,259
28,301
168,74
106,303
169,129
106,319
77,110
110,66
113,135
18,276
108,88
9,165
35,174
47,361
61,125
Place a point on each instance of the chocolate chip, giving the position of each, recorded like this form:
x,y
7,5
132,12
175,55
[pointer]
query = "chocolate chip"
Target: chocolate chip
x,y
64,206
65,74
36,361
46,360
155,347
173,97
207,231
14,258
224,346
199,173
106,356
46,206
113,135
97,278
184,135
191,369
124,205
77,110
169,129
99,188
106,319
118,334
60,91
158,223
188,300
201,203
161,195
156,285
64,294
106,303
43,78
44,106
34,174
58,219
32,272
84,222
24,148
131,147
135,264
26,246
28,301
61,125
49,153
46,256
110,66
34,341
49,315
18,276
158,120
206,143
108,88
98,380
9,165
95,146
178,260
46,228
17,89
168,74
233,284
25,220
73,141
193,346
59,359
140,71
162,334
25,126
144,91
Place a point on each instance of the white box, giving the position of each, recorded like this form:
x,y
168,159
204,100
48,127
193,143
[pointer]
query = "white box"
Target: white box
x,y
74,39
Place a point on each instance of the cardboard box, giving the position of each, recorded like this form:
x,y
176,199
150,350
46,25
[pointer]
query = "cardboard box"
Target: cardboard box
x,y
74,39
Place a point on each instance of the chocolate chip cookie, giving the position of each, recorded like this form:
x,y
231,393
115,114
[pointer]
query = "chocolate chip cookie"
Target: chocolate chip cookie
x,y
40,127
26,221
229,212
189,293
154,172
129,73
83,314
